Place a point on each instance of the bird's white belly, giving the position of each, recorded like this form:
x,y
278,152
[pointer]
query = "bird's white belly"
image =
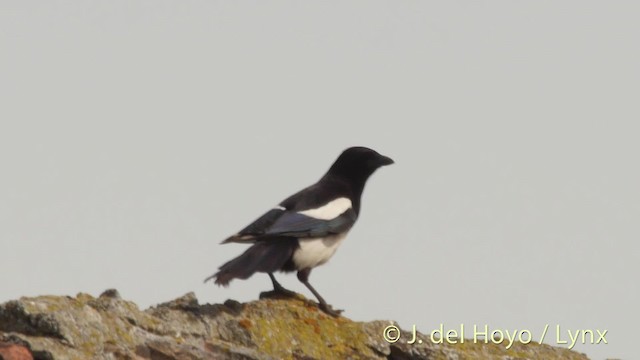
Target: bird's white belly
x,y
316,251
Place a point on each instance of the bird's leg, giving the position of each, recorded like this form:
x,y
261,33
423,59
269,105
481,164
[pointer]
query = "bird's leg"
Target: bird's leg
x,y
279,289
303,276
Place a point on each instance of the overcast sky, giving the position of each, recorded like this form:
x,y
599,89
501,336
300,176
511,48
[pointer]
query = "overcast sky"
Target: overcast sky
x,y
136,135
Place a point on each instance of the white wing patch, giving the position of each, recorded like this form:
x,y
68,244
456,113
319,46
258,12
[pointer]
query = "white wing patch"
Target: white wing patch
x,y
280,207
330,210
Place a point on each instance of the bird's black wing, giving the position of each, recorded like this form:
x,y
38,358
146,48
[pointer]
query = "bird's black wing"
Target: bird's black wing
x,y
279,222
300,225
256,228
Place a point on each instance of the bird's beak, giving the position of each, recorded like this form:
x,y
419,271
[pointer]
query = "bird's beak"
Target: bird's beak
x,y
384,160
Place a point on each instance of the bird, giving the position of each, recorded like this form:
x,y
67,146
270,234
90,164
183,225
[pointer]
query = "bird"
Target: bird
x,y
304,230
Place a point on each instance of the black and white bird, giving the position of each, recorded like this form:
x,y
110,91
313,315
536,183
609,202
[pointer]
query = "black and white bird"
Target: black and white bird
x,y
305,229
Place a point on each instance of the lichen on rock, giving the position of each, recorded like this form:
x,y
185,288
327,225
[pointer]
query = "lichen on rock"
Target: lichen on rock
x,y
109,327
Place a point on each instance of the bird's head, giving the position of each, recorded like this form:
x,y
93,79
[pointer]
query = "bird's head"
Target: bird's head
x,y
358,163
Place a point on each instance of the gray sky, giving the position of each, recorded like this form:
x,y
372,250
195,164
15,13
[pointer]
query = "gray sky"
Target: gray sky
x,y
136,135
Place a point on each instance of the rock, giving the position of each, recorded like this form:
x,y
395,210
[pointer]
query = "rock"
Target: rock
x,y
14,352
108,327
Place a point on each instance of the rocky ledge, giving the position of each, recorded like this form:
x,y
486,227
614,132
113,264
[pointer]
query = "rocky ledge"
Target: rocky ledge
x,y
108,327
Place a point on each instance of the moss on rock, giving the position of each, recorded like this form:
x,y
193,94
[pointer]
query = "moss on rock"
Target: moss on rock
x,y
108,327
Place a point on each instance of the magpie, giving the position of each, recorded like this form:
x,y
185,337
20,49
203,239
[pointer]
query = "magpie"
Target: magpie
x,y
305,229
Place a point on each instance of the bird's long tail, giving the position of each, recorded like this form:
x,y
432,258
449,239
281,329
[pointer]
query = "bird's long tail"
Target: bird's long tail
x,y
264,256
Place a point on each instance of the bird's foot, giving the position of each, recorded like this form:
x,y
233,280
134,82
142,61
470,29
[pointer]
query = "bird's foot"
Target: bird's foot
x,y
329,310
279,293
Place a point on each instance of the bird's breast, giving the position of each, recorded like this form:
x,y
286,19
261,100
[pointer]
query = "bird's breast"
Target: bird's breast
x,y
316,251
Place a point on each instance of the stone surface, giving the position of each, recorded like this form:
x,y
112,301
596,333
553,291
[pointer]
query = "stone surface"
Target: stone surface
x,y
14,352
108,327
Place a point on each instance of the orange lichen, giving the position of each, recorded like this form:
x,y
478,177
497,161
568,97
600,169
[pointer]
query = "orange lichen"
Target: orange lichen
x,y
245,323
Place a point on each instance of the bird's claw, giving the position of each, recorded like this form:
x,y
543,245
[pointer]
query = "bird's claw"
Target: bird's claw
x,y
281,293
329,310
